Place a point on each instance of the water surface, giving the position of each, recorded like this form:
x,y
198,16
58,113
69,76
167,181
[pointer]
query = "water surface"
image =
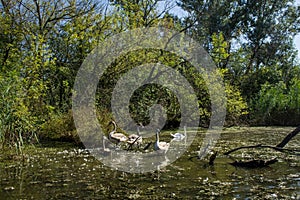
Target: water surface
x,y
64,172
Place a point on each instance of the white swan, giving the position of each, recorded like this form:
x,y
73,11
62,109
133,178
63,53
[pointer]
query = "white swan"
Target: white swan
x,y
160,146
116,137
179,136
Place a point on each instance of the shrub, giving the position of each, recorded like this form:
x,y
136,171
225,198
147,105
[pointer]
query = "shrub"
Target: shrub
x,y
277,104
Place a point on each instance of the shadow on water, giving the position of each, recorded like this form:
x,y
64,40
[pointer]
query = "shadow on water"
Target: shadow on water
x,y
60,171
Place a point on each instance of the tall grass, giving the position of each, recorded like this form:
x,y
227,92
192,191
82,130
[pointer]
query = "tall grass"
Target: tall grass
x,y
17,124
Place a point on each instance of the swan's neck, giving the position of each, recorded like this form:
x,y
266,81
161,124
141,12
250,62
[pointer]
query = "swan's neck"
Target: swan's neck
x,y
103,143
115,127
110,135
157,137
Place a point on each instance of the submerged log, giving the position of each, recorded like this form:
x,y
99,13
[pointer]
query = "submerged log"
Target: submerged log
x,y
254,163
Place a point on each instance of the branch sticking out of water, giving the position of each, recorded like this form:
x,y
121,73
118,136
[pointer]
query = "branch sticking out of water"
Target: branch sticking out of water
x,y
278,147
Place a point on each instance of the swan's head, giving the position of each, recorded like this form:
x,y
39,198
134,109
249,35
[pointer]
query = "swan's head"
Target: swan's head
x,y
112,122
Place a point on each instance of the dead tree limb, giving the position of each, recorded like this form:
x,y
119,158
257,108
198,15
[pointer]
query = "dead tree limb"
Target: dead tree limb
x,y
278,147
262,163
288,137
264,146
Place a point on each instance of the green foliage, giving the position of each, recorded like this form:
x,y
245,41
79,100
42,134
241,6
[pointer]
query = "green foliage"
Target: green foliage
x,y
28,65
147,96
43,44
236,105
253,40
143,13
18,125
219,50
277,104
59,126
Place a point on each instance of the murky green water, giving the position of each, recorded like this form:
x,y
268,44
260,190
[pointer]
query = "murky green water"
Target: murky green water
x,y
68,173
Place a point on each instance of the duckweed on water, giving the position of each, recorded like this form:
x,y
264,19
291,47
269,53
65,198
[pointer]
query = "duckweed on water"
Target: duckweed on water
x,y
64,172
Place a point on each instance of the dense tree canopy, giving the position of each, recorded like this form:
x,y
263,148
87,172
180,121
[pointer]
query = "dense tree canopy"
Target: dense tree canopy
x,y
259,37
43,44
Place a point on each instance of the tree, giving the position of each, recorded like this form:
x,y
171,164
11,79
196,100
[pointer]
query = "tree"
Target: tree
x,y
141,13
259,27
258,34
28,62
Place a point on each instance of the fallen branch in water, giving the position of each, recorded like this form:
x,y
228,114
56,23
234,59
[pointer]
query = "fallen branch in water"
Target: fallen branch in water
x,y
278,147
254,163
147,146
262,163
288,137
259,163
295,152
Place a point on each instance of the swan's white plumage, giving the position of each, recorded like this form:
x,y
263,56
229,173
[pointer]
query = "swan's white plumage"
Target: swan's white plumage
x,y
160,146
116,137
179,136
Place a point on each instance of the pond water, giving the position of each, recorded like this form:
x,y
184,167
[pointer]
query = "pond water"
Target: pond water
x,y
60,171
